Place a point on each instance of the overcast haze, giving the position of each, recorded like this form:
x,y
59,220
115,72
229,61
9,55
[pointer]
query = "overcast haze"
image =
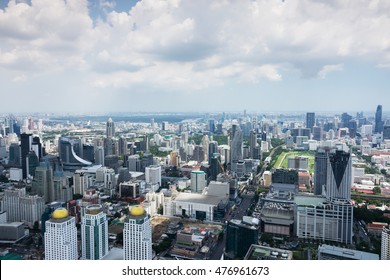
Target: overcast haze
x,y
150,55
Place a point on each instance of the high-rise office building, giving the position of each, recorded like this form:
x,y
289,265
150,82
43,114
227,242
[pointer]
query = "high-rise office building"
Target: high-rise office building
x,y
137,235
310,120
339,175
94,233
213,148
215,166
198,181
236,145
320,171
62,191
212,126
122,146
317,133
14,155
134,163
25,148
253,144
11,203
153,174
378,119
239,237
205,145
386,132
99,155
43,181
31,209
385,243
110,128
61,236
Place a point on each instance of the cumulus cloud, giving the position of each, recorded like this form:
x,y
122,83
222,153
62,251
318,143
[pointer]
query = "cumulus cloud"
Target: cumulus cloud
x,y
192,45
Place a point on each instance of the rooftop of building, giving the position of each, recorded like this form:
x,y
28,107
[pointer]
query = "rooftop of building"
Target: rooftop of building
x,y
347,253
305,200
12,224
243,224
258,252
199,198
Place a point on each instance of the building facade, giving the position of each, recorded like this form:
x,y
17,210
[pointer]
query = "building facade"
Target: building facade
x,y
61,236
137,235
94,233
385,244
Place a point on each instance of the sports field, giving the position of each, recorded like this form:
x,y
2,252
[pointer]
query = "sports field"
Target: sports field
x,y
282,160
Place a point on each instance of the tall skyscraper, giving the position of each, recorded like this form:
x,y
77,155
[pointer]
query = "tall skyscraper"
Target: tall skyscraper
x,y
320,170
385,244
110,128
137,235
339,175
198,181
310,120
236,145
252,144
99,155
205,145
212,126
213,148
43,181
378,119
25,148
61,236
94,233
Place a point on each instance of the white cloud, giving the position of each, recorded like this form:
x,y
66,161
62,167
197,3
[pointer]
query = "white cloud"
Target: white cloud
x,y
322,74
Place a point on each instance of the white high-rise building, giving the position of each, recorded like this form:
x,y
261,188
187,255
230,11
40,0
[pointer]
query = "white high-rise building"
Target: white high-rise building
x,y
137,235
94,233
31,209
198,181
153,174
11,203
385,247
61,236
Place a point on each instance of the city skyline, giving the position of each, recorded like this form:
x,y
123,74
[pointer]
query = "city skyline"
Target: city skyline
x,y
182,56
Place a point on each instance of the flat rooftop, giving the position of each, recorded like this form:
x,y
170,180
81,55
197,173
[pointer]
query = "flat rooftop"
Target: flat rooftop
x,y
346,253
200,198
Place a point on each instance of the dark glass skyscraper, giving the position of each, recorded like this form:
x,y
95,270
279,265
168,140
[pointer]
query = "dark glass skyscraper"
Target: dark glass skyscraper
x,y
378,120
25,148
320,170
310,120
239,237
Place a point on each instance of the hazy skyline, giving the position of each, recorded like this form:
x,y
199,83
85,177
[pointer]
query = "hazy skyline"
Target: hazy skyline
x,y
149,55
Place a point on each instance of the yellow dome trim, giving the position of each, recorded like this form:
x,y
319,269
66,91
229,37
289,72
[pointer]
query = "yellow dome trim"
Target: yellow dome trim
x,y
60,213
137,211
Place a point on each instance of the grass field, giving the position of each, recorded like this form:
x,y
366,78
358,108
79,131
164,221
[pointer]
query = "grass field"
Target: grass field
x,y
282,160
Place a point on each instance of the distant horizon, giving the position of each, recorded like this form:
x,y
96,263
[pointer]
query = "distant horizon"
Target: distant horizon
x,y
200,113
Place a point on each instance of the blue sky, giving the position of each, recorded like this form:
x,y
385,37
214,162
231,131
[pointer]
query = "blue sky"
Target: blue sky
x,y
182,55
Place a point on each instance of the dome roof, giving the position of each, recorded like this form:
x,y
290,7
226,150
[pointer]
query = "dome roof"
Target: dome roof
x,y
60,213
137,211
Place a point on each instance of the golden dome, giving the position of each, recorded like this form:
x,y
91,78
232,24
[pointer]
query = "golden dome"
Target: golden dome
x,y
60,213
137,211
